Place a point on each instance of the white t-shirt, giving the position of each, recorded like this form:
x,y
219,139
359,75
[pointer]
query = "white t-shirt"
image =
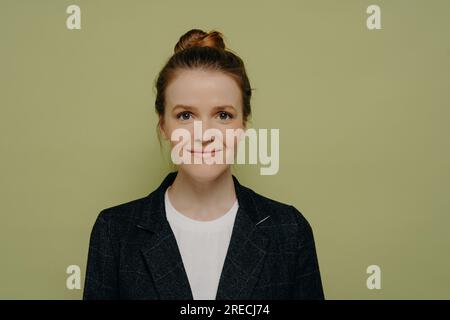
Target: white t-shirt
x,y
203,246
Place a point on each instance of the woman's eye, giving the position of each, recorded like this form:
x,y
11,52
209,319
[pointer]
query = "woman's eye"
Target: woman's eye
x,y
225,115
184,115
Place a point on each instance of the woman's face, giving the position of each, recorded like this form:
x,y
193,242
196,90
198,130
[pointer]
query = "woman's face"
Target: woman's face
x,y
212,99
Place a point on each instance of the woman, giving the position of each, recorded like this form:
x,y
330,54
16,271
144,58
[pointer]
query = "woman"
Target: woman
x,y
201,234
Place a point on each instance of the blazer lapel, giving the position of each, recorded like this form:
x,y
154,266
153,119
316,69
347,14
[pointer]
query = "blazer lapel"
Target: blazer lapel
x,y
243,262
246,251
161,251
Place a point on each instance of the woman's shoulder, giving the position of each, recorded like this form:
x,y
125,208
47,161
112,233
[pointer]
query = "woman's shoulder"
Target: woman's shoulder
x,y
123,214
281,212
284,219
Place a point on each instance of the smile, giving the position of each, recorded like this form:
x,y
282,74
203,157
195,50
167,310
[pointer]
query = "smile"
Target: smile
x,y
204,152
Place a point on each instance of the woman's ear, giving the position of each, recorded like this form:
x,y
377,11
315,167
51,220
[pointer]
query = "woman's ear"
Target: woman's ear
x,y
162,128
244,125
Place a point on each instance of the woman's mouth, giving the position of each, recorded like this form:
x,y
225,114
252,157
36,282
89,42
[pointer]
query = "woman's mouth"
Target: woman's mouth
x,y
204,153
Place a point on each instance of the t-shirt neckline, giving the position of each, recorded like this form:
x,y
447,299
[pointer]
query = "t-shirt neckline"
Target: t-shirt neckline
x,y
211,225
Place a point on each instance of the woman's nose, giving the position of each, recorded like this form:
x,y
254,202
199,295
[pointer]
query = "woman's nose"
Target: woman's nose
x,y
200,127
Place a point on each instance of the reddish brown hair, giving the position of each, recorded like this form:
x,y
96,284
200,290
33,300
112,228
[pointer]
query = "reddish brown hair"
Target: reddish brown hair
x,y
198,49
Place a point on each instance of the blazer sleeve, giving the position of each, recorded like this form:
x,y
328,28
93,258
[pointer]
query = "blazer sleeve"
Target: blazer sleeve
x,y
101,271
308,283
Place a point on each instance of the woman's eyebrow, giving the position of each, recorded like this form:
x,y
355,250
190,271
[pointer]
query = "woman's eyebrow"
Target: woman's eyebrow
x,y
224,107
187,107
183,106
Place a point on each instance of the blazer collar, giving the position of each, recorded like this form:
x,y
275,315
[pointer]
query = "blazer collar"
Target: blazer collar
x,y
243,262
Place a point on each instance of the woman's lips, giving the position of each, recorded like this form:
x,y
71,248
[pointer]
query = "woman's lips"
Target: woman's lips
x,y
204,152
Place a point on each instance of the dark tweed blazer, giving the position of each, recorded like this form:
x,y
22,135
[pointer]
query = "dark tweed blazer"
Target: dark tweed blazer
x,y
133,253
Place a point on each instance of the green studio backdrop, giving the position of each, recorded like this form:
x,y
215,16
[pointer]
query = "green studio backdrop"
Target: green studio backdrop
x,y
363,117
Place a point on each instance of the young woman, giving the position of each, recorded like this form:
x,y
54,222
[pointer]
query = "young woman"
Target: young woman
x,y
201,234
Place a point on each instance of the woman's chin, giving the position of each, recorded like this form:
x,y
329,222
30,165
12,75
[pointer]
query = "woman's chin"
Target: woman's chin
x,y
204,172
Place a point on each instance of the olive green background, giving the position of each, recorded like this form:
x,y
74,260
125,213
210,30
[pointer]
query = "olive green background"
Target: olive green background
x,y
363,116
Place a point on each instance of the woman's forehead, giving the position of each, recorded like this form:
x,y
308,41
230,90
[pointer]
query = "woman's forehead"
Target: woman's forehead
x,y
201,88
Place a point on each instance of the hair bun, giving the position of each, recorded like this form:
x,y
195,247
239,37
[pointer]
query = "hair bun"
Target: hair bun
x,y
197,37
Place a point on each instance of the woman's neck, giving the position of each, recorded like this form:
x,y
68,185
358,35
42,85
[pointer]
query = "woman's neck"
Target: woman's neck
x,y
202,200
